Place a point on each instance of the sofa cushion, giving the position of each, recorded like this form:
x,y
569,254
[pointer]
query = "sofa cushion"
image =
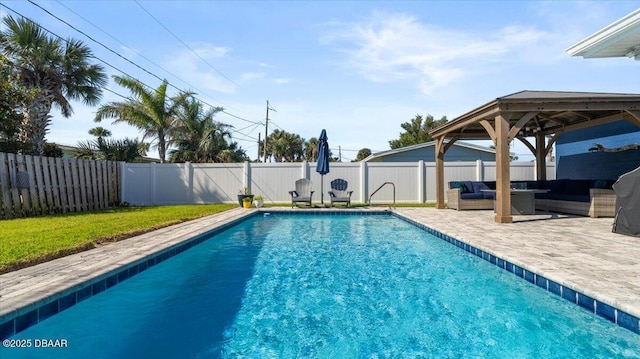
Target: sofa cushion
x,y
479,186
556,186
459,185
600,184
468,185
577,186
535,184
471,195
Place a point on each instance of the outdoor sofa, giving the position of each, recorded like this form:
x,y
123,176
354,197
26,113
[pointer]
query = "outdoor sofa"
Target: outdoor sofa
x,y
593,198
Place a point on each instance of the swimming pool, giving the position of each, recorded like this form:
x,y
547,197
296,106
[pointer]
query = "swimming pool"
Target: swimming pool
x,y
326,286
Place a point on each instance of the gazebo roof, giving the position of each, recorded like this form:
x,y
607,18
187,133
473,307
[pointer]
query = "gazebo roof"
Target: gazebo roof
x,y
548,112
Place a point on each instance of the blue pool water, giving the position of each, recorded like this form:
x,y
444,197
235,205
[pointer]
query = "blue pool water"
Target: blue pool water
x,y
290,286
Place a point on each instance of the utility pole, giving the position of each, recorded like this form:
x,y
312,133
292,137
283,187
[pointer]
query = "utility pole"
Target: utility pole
x,y
266,129
340,152
258,146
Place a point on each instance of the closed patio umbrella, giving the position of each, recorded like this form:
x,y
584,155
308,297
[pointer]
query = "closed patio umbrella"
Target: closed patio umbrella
x,y
323,161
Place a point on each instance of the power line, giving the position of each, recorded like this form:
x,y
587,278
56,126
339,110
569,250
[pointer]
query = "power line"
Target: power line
x,y
275,124
253,139
94,40
138,52
122,57
185,45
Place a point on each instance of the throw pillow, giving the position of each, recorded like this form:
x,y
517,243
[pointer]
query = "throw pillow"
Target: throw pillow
x,y
600,184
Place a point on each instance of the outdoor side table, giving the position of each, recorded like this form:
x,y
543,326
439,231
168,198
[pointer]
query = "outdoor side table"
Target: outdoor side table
x,y
522,200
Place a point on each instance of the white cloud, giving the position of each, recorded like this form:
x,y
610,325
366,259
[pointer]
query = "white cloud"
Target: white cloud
x,y
198,68
397,47
282,80
248,76
209,51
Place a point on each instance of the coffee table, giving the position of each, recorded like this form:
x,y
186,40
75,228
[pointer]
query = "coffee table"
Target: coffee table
x,y
523,201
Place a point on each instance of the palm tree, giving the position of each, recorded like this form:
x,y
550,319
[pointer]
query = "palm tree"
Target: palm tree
x,y
295,151
104,148
285,146
311,149
151,111
58,72
100,132
127,150
200,139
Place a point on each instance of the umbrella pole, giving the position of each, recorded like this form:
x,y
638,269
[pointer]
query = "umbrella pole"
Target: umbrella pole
x,y
322,190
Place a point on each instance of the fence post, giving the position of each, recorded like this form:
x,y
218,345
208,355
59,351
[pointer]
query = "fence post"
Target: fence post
x,y
188,169
479,170
421,184
304,169
153,183
123,181
246,178
363,182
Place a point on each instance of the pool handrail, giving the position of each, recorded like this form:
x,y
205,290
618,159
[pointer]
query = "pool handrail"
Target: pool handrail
x,y
379,188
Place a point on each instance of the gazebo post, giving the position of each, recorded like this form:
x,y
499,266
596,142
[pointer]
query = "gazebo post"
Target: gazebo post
x,y
541,157
440,173
503,179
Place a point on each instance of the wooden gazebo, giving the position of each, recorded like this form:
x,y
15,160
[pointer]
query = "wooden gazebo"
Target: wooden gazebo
x,y
543,115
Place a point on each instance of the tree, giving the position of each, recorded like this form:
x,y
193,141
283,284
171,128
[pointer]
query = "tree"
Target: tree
x,y
417,131
105,148
100,132
52,150
200,139
58,70
151,111
362,154
311,149
285,146
11,99
127,150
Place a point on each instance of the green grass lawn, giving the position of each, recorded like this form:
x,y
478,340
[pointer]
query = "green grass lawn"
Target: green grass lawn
x,y
27,241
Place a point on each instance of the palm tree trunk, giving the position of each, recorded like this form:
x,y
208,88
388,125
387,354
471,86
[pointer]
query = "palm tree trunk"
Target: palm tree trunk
x,y
162,146
35,122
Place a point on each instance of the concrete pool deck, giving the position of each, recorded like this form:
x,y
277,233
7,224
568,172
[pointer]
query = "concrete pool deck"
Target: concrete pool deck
x,y
578,252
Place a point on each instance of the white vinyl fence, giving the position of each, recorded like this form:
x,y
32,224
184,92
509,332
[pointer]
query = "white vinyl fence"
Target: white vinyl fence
x,y
187,183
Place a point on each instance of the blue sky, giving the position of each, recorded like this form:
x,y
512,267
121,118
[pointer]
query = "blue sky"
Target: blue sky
x,y
356,68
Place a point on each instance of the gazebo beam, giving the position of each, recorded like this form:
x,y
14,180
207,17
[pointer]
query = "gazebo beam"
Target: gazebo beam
x,y
513,132
635,116
490,131
528,144
594,122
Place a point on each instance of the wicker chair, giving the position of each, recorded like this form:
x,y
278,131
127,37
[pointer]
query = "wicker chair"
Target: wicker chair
x,y
302,193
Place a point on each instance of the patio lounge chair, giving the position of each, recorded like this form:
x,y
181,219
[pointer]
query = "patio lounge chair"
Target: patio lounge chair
x,y
339,192
302,193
